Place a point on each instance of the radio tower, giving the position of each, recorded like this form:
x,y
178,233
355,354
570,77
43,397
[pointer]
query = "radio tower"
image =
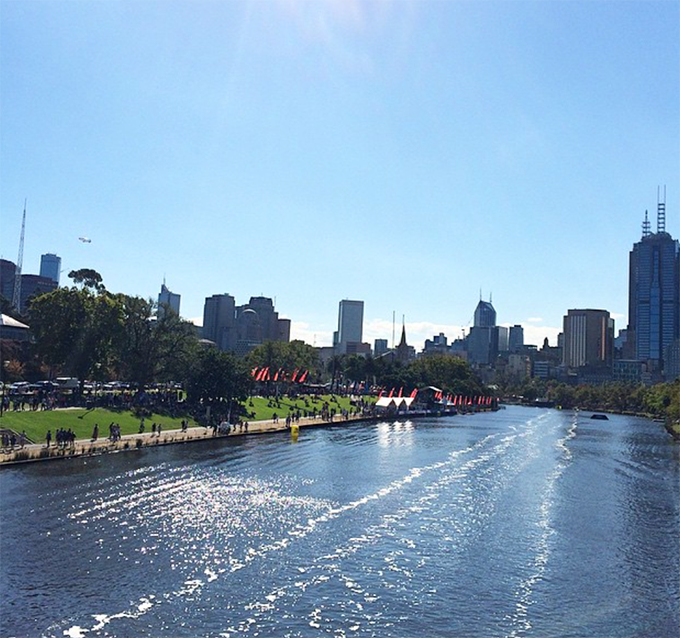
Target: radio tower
x,y
16,297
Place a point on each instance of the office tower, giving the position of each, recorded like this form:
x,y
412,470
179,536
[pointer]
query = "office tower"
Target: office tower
x,y
257,322
50,267
485,315
588,339
653,295
485,339
7,275
33,286
379,347
350,325
167,300
516,338
219,321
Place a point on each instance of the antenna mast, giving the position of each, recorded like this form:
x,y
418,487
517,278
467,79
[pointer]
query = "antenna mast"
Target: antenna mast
x,y
16,296
660,210
646,231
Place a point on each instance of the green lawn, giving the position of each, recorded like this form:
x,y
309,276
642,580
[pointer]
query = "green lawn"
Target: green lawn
x,y
82,421
259,408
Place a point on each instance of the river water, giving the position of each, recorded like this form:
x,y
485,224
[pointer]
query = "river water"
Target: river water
x,y
524,522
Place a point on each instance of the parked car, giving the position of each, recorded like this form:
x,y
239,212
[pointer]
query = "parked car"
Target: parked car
x,y
68,383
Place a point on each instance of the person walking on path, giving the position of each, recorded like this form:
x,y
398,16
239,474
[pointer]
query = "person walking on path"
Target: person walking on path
x,y
48,438
95,432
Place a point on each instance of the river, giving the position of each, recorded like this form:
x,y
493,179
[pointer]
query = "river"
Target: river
x,y
523,522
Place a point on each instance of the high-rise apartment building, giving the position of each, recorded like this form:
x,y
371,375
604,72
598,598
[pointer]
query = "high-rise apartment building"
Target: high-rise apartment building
x,y
167,300
350,325
653,294
588,339
50,267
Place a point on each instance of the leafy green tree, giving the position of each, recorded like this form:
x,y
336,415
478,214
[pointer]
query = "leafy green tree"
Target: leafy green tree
x,y
280,355
218,379
356,368
88,278
75,330
451,374
150,348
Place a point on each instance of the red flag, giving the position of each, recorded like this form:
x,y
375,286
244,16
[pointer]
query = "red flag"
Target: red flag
x,y
389,396
380,393
295,373
303,376
414,393
254,372
400,391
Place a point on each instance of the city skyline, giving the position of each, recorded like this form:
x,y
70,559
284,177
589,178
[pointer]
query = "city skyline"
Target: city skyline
x,y
405,154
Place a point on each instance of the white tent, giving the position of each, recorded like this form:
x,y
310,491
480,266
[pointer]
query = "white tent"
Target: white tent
x,y
397,402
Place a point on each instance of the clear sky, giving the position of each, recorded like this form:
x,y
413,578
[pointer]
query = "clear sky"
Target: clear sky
x,y
409,154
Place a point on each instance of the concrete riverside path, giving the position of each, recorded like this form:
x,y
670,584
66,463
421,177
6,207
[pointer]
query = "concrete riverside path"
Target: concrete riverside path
x,y
87,447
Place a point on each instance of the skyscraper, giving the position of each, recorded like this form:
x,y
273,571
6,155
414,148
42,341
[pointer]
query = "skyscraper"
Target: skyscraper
x,y
219,321
50,266
167,299
653,295
485,339
588,339
516,338
350,325
485,315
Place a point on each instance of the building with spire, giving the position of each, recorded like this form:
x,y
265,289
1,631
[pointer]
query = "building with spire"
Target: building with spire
x,y
404,353
654,295
167,301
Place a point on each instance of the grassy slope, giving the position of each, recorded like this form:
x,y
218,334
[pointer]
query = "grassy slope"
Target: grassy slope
x,y
260,410
82,421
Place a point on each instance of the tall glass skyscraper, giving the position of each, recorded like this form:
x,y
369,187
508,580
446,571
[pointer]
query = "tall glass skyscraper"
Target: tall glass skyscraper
x,y
653,293
350,324
50,266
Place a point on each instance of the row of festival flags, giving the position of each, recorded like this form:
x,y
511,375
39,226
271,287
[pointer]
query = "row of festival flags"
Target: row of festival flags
x,y
265,374
461,400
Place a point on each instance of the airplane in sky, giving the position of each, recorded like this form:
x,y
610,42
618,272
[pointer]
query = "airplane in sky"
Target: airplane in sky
x,y
85,240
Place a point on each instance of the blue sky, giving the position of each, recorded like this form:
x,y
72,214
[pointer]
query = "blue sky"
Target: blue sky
x,y
409,154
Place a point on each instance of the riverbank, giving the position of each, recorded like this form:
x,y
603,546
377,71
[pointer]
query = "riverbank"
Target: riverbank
x,y
129,442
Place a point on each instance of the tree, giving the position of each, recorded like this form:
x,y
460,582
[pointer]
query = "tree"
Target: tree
x,y
89,278
153,348
218,380
75,329
280,355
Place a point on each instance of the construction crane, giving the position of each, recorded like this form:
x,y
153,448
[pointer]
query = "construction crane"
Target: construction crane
x,y
16,296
